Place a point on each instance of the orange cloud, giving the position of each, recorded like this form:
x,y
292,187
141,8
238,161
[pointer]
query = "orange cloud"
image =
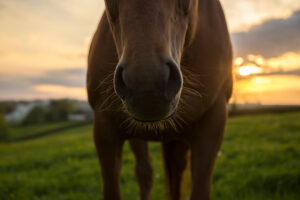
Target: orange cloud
x,y
58,91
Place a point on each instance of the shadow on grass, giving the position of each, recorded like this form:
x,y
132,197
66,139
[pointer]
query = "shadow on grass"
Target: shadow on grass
x,y
48,132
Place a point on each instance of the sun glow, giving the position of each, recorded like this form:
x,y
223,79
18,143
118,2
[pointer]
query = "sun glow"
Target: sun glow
x,y
238,61
248,69
277,89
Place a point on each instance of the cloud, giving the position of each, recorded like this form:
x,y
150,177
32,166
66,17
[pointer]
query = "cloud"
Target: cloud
x,y
16,88
59,91
36,36
51,84
287,61
68,77
270,39
244,14
277,73
282,72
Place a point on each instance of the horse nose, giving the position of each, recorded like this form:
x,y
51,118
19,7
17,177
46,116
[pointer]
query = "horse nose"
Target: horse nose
x,y
167,82
119,84
174,83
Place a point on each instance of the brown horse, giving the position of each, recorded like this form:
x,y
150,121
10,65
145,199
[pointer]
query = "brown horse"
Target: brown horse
x,y
160,70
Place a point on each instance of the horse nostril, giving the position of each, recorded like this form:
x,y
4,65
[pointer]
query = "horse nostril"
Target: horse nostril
x,y
119,84
174,83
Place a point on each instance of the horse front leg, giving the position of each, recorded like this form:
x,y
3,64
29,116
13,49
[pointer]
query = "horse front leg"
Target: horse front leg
x,y
175,161
143,167
205,144
109,148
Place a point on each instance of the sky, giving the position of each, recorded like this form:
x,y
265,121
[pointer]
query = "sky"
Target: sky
x,y
44,46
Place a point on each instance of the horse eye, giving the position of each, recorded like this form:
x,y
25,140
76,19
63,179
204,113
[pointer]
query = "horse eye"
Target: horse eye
x,y
112,9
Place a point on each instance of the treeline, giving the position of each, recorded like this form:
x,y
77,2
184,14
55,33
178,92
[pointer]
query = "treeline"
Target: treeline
x,y
58,110
4,129
5,107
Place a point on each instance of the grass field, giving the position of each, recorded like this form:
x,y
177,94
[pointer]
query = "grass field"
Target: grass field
x,y
259,160
30,130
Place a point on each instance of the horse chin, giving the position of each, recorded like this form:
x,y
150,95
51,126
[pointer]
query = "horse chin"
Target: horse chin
x,y
167,119
156,114
153,120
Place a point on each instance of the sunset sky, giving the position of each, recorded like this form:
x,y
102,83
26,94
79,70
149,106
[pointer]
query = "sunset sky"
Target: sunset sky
x,y
44,45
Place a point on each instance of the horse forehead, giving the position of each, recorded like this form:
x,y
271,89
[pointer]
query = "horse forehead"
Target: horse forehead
x,y
145,5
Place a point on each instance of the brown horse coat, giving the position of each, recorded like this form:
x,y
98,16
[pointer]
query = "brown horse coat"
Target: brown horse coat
x,y
204,52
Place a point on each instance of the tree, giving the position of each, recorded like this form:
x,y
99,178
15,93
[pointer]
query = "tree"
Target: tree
x,y
60,109
4,129
35,116
6,107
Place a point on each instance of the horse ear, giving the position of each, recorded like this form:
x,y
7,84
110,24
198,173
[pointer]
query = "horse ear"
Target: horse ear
x,y
112,9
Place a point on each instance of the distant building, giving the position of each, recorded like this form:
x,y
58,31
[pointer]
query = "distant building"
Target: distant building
x,y
22,110
82,110
81,116
76,117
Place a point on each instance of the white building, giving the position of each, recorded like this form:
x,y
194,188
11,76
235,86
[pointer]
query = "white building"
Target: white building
x,y
23,109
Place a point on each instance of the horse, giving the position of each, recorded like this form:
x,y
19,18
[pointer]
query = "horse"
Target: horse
x,y
160,70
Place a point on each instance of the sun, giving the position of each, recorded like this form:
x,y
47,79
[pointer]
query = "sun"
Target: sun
x,y
248,69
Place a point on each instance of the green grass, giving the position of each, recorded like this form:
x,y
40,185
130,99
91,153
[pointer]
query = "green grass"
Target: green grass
x,y
28,130
259,160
